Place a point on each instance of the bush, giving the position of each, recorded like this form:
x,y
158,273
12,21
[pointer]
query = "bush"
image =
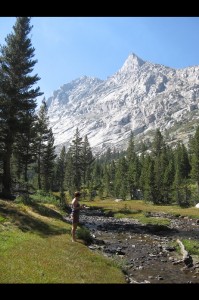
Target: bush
x,y
45,197
84,234
24,198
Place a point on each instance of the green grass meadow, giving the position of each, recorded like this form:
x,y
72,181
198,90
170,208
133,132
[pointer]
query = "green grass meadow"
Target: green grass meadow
x,y
36,246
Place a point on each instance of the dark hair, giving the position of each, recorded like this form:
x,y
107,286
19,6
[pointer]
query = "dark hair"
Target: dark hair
x,y
77,194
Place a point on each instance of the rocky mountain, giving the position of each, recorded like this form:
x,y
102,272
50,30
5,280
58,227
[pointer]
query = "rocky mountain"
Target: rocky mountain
x,y
141,96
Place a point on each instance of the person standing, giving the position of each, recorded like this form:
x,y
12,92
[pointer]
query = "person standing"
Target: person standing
x,y
75,214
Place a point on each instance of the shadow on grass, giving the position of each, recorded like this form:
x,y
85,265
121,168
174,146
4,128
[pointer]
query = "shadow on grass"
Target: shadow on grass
x,y
45,211
26,222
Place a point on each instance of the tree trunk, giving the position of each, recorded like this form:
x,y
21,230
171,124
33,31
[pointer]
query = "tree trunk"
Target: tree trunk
x,y
6,177
197,186
39,174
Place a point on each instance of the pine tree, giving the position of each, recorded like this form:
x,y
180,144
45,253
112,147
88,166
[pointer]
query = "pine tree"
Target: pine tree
x,y
182,167
69,177
195,159
107,180
182,160
133,168
158,143
41,140
169,173
131,148
159,157
48,162
59,176
60,170
97,174
112,171
24,151
17,97
76,150
121,182
87,161
149,185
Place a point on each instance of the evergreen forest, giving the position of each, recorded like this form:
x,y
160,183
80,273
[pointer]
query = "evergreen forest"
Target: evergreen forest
x,y
160,174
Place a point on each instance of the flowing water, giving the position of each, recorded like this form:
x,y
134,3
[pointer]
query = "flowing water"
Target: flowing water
x,y
145,252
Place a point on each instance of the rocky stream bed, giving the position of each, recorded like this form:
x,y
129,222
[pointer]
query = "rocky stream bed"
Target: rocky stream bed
x,y
145,252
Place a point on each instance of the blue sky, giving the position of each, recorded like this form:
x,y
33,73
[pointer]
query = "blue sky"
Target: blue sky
x,y
69,47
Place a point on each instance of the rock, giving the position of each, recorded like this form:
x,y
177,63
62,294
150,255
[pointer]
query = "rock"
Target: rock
x,y
140,256
186,256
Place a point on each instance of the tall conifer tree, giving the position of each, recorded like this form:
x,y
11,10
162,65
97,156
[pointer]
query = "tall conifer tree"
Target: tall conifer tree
x,y
76,150
43,135
48,162
87,160
195,159
17,95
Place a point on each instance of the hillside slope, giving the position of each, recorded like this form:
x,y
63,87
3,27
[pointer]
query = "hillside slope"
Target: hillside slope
x,y
36,247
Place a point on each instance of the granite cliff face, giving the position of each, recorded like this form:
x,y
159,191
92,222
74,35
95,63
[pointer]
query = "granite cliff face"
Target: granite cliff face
x,y
141,97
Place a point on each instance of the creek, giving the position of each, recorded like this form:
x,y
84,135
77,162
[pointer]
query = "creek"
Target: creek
x,y
146,253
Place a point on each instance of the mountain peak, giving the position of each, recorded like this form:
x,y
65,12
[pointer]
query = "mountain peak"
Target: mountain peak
x,y
133,58
140,97
132,63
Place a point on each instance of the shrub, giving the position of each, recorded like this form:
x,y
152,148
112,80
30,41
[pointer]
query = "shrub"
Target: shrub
x,y
84,234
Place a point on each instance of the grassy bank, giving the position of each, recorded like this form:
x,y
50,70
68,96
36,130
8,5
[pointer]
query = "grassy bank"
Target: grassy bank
x,y
36,247
138,208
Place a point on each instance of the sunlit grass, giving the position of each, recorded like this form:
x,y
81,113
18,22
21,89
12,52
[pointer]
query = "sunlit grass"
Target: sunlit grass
x,y
154,220
56,260
143,207
37,248
191,246
143,219
2,219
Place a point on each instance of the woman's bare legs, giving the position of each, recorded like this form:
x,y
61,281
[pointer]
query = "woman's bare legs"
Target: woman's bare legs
x,y
74,227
